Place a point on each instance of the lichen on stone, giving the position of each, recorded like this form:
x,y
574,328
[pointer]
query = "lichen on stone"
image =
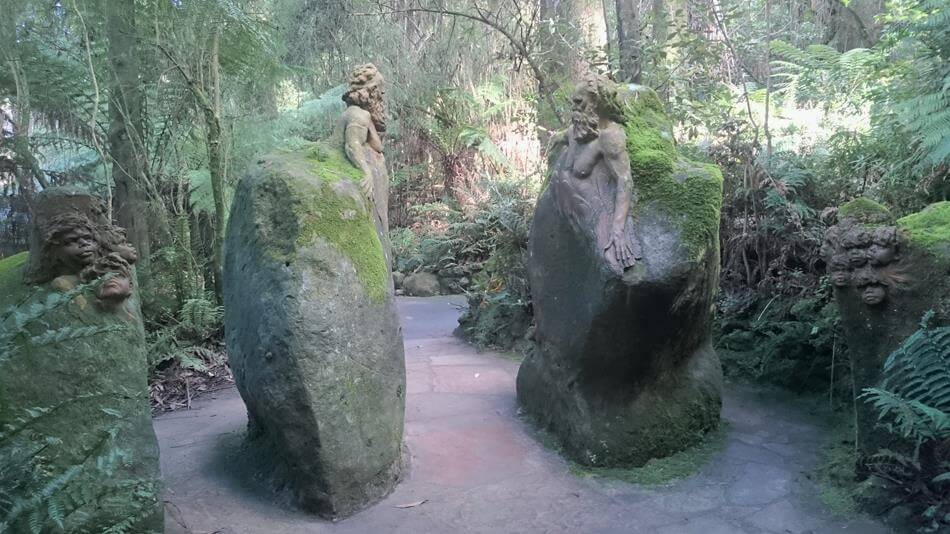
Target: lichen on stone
x,y
12,287
930,228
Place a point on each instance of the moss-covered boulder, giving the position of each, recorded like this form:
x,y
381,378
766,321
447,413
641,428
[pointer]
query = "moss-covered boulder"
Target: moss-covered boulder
x,y
312,331
623,368
887,274
77,448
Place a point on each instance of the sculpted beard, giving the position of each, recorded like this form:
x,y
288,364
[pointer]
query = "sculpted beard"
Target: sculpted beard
x,y
586,125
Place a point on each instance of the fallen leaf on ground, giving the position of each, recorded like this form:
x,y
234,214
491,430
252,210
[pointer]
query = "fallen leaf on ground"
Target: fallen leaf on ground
x,y
412,504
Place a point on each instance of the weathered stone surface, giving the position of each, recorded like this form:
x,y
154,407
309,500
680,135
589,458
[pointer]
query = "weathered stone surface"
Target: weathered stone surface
x,y
421,285
887,274
624,370
312,331
73,392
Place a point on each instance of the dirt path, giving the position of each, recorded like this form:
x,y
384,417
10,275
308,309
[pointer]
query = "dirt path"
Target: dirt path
x,y
478,469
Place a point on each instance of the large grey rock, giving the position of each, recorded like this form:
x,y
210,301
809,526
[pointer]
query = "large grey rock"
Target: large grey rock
x,y
312,332
76,437
421,284
623,368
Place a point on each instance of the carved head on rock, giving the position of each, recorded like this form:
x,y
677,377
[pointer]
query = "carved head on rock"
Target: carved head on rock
x,y
69,244
865,256
117,287
365,90
73,240
594,100
839,267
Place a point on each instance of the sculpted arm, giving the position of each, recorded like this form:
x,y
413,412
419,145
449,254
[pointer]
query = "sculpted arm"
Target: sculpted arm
x,y
614,146
356,136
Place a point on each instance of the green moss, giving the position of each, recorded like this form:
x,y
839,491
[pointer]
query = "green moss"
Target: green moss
x,y
661,471
12,287
690,192
331,164
657,471
324,208
930,228
837,485
649,135
865,210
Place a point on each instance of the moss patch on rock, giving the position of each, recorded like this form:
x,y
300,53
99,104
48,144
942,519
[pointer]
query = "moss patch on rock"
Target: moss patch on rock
x,y
662,471
12,287
688,191
656,472
318,203
865,210
930,228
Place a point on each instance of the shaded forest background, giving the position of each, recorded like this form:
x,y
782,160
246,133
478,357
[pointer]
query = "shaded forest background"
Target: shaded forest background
x,y
159,106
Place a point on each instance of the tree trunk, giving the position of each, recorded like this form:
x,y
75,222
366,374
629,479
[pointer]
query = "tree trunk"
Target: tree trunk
x,y
126,129
216,165
573,33
628,41
661,24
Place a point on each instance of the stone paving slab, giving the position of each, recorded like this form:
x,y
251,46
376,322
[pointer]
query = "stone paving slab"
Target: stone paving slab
x,y
478,468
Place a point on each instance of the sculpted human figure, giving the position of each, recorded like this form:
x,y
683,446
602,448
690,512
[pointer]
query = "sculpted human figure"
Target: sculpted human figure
x,y
362,122
76,249
592,176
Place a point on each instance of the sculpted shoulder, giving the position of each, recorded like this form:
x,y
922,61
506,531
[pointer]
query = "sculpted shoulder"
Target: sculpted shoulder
x,y
613,139
357,115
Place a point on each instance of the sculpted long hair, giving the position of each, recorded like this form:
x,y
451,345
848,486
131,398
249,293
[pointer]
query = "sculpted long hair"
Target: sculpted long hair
x,y
363,85
364,90
605,95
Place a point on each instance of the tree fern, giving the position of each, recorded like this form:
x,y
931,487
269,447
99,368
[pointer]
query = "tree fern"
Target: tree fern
x,y
919,369
913,402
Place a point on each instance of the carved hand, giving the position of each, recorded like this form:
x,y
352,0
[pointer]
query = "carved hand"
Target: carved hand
x,y
367,184
619,247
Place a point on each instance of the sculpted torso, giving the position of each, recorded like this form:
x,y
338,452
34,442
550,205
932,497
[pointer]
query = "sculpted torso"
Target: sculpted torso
x,y
364,148
592,190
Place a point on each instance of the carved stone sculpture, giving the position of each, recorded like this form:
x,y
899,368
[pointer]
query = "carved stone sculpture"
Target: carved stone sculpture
x,y
886,273
362,122
88,380
592,182
623,264
310,318
74,239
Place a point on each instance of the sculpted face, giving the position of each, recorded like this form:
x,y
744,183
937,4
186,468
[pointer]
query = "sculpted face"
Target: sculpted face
x,y
883,248
584,117
114,291
76,248
881,254
857,257
873,294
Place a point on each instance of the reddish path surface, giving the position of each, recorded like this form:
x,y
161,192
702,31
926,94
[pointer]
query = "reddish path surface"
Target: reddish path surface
x,y
478,469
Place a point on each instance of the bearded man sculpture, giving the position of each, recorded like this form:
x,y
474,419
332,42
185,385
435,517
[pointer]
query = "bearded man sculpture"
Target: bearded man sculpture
x,y
593,162
623,264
